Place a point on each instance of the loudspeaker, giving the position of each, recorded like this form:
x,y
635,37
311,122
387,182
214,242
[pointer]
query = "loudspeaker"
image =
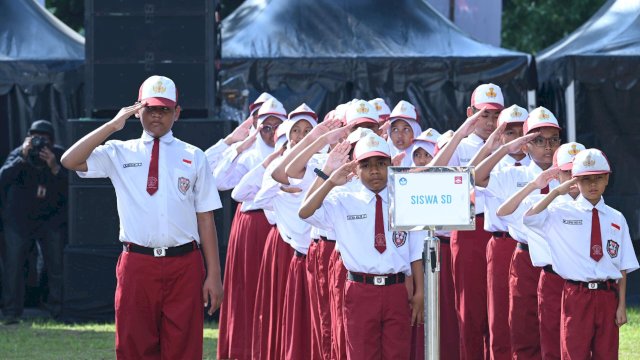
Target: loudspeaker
x,y
89,282
128,41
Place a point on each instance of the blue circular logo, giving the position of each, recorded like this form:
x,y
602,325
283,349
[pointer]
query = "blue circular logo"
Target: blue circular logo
x,y
403,181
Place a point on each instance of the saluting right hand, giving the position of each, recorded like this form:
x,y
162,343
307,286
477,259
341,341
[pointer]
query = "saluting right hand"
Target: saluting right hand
x,y
344,173
239,133
338,156
246,143
545,177
335,135
493,142
469,125
125,113
516,145
566,186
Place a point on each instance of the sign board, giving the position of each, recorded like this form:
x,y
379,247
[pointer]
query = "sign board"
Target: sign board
x,y
431,198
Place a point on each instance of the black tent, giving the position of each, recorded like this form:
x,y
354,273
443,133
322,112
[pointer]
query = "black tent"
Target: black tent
x,y
328,52
40,71
590,79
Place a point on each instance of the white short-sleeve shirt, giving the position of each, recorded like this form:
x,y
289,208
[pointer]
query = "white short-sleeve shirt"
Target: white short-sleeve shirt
x,y
186,187
567,227
352,216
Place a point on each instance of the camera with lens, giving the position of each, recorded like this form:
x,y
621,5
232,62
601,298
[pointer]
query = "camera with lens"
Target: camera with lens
x,y
38,143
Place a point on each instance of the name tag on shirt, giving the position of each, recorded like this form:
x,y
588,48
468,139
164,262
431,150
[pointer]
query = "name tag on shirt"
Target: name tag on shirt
x,y
571,222
356,217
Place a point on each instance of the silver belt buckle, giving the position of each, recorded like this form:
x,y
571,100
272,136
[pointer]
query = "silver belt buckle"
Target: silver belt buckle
x,y
593,286
379,280
160,252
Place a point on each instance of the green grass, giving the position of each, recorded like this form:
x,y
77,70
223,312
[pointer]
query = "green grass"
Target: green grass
x,y
50,340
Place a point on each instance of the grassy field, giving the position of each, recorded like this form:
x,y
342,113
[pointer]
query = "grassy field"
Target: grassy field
x,y
50,340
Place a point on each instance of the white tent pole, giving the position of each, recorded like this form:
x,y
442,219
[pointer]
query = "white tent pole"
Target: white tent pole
x,y
570,100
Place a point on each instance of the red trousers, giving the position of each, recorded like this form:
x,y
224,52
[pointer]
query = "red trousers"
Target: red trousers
x,y
588,329
314,302
523,307
274,267
246,244
499,253
469,264
337,280
159,308
296,321
377,321
549,310
449,335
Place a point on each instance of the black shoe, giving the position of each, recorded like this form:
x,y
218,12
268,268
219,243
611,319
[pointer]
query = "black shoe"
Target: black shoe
x,y
11,320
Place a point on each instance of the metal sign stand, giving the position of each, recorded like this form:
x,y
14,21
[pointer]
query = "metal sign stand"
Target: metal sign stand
x,y
431,257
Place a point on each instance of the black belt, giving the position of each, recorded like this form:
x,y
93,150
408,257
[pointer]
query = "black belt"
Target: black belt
x,y
522,246
549,269
324,238
299,254
161,251
444,239
596,285
316,240
380,280
501,234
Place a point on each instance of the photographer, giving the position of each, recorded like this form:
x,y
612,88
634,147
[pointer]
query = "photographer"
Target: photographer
x,y
33,192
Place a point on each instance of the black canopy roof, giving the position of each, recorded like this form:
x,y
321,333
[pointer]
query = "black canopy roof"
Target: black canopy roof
x,y
592,76
326,52
40,70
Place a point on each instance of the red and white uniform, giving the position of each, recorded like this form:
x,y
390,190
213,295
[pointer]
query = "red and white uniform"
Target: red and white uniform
x,y
588,316
160,290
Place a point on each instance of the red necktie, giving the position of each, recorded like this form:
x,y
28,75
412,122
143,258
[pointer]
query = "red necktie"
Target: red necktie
x,y
380,240
545,190
596,238
152,178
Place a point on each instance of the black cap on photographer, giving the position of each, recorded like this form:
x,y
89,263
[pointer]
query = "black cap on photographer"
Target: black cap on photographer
x,y
42,127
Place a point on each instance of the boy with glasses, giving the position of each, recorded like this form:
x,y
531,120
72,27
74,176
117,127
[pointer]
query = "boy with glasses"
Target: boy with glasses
x,y
541,140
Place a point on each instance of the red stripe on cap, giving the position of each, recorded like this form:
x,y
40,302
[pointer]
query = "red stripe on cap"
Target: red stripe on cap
x,y
615,226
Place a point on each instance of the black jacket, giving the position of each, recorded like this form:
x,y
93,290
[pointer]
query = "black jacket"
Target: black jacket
x,y
19,182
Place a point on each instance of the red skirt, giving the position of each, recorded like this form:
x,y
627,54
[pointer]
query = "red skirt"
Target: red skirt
x,y
296,320
266,342
244,251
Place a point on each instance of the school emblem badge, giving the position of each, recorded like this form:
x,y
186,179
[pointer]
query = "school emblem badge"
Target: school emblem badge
x,y
362,109
183,185
159,88
589,162
380,241
574,149
399,238
372,142
491,93
515,113
378,107
543,115
612,248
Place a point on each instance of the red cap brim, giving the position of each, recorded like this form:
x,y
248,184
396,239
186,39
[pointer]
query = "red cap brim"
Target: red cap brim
x,y
565,167
363,120
541,125
489,106
593,173
159,101
372,154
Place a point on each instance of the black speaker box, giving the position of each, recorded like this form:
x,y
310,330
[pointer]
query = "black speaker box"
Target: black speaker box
x,y
128,41
89,282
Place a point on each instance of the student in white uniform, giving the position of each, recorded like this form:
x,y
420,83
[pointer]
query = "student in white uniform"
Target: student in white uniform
x,y
404,126
293,334
501,245
165,204
590,248
247,237
550,284
468,248
541,140
377,317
